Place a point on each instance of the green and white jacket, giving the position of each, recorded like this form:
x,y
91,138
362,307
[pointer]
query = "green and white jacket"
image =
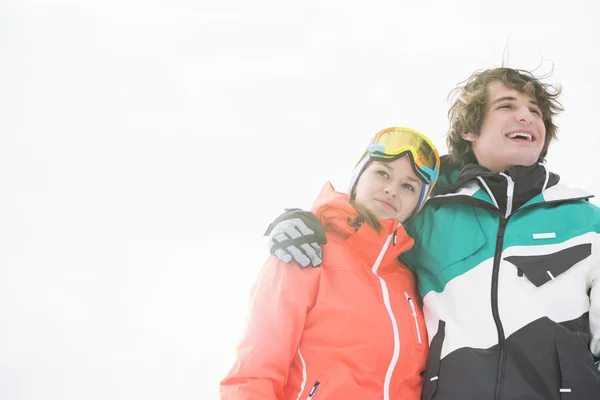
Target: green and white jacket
x,y
509,267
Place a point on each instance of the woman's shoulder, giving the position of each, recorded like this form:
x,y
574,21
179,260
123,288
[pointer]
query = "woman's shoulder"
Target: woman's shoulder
x,y
339,255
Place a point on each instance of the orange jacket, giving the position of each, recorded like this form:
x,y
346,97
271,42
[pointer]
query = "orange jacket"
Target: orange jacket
x,y
351,329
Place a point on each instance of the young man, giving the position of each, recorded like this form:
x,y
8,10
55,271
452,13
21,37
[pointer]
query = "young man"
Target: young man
x,y
506,257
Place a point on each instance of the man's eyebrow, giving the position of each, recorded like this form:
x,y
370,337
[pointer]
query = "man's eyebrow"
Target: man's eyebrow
x,y
511,98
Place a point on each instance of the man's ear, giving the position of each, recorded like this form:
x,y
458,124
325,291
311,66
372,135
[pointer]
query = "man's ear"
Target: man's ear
x,y
469,137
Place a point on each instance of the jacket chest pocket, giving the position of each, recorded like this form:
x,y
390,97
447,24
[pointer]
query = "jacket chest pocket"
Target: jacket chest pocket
x,y
416,323
541,269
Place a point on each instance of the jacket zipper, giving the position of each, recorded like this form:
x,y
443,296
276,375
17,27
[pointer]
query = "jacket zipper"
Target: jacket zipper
x,y
495,283
388,306
495,310
313,390
414,314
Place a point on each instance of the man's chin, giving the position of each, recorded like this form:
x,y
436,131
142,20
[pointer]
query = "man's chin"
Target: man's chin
x,y
527,163
522,161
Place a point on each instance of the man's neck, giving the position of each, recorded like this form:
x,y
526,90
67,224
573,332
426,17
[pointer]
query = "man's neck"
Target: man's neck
x,y
503,168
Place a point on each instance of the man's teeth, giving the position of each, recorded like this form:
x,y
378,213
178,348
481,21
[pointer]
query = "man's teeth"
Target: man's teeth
x,y
521,135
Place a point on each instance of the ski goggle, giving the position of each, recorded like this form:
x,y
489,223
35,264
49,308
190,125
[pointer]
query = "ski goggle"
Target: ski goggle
x,y
393,143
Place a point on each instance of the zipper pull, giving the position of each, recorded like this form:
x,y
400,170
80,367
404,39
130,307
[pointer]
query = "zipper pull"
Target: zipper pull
x,y
394,238
313,390
413,310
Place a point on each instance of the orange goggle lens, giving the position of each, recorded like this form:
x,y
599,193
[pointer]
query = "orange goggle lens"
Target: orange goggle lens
x,y
393,143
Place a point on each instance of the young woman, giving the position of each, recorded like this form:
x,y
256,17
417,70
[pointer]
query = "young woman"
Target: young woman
x,y
352,329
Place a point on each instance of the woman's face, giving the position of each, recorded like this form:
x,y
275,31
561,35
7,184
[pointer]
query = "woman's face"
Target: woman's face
x,y
390,190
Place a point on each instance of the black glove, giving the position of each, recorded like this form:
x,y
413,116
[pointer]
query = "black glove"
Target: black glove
x,y
296,235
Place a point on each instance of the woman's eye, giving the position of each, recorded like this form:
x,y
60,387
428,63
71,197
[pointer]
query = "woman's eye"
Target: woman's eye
x,y
409,187
383,173
535,111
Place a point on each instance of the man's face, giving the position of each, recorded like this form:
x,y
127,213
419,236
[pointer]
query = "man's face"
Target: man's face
x,y
513,131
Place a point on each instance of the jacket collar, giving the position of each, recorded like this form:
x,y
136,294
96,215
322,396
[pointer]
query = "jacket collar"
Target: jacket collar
x,y
530,185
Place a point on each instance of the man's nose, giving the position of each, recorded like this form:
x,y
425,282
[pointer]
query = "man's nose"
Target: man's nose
x,y
525,116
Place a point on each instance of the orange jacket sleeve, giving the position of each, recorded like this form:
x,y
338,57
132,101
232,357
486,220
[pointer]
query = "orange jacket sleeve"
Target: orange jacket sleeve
x,y
279,302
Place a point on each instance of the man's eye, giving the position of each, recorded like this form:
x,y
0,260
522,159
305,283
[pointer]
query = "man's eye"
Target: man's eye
x,y
409,187
383,173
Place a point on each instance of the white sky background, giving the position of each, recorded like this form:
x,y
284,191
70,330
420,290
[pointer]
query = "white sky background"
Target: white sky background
x,y
145,147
